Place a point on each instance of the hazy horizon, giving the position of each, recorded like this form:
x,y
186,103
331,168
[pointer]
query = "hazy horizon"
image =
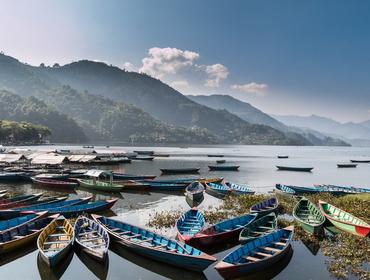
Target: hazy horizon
x,y
285,58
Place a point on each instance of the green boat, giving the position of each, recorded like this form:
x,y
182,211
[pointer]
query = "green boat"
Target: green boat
x,y
309,216
258,228
95,184
344,220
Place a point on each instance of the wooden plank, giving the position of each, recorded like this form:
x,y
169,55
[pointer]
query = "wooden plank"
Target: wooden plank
x,y
263,227
261,254
144,240
124,232
133,236
58,235
249,258
87,232
271,249
56,242
90,239
279,243
161,246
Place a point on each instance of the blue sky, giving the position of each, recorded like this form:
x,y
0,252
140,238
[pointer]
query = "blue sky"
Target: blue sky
x,y
285,57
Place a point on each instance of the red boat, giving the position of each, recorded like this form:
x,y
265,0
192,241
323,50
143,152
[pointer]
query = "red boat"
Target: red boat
x,y
225,231
54,183
23,201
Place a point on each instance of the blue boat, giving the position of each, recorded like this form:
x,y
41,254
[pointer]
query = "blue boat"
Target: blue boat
x,y
344,189
123,176
11,176
189,224
304,190
158,186
265,207
283,189
155,246
217,190
12,223
195,191
238,189
91,238
91,207
256,255
7,214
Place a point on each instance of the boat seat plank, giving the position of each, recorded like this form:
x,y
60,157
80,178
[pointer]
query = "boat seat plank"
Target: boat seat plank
x,y
144,240
133,236
271,249
18,236
58,235
56,242
34,230
87,233
279,243
258,232
160,246
285,239
263,227
249,258
261,254
90,239
124,232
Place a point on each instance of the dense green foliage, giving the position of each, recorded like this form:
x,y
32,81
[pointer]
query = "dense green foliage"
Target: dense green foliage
x,y
63,128
22,132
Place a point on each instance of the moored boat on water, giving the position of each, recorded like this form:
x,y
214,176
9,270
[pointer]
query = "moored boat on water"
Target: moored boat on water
x,y
155,246
92,238
190,170
346,188
218,190
344,220
309,216
19,236
259,227
195,191
257,254
189,224
16,222
54,183
220,161
292,168
285,190
224,231
53,176
19,201
299,190
239,189
282,156
223,167
55,241
347,165
96,184
265,207
123,176
360,160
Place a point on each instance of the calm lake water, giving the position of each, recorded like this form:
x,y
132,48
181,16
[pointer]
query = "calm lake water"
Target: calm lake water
x,y
257,169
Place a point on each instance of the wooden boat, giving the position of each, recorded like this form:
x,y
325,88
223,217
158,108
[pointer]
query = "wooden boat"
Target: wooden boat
x,y
10,176
238,189
194,191
16,222
223,167
179,170
20,201
220,161
291,168
123,176
215,155
346,188
100,185
304,190
309,216
155,246
257,254
54,183
143,158
344,220
91,207
18,237
53,273
282,156
286,190
360,160
55,241
146,153
337,190
222,232
217,189
91,238
189,224
265,207
347,165
53,176
185,180
16,212
168,187
259,227
3,191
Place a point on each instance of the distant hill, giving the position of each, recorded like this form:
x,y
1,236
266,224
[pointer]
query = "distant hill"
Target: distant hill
x,y
151,95
63,128
12,132
251,114
328,126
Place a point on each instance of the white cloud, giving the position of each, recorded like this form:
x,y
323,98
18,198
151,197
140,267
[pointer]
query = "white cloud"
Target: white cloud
x,y
128,66
162,61
216,73
180,85
251,88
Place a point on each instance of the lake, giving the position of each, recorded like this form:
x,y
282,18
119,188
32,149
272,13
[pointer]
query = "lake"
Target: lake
x,y
257,170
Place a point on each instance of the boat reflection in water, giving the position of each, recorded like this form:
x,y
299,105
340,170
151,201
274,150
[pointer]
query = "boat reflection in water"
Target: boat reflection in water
x,y
14,255
51,273
99,269
162,269
193,203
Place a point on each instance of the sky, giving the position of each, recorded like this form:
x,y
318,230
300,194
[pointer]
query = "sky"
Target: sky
x,y
289,57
